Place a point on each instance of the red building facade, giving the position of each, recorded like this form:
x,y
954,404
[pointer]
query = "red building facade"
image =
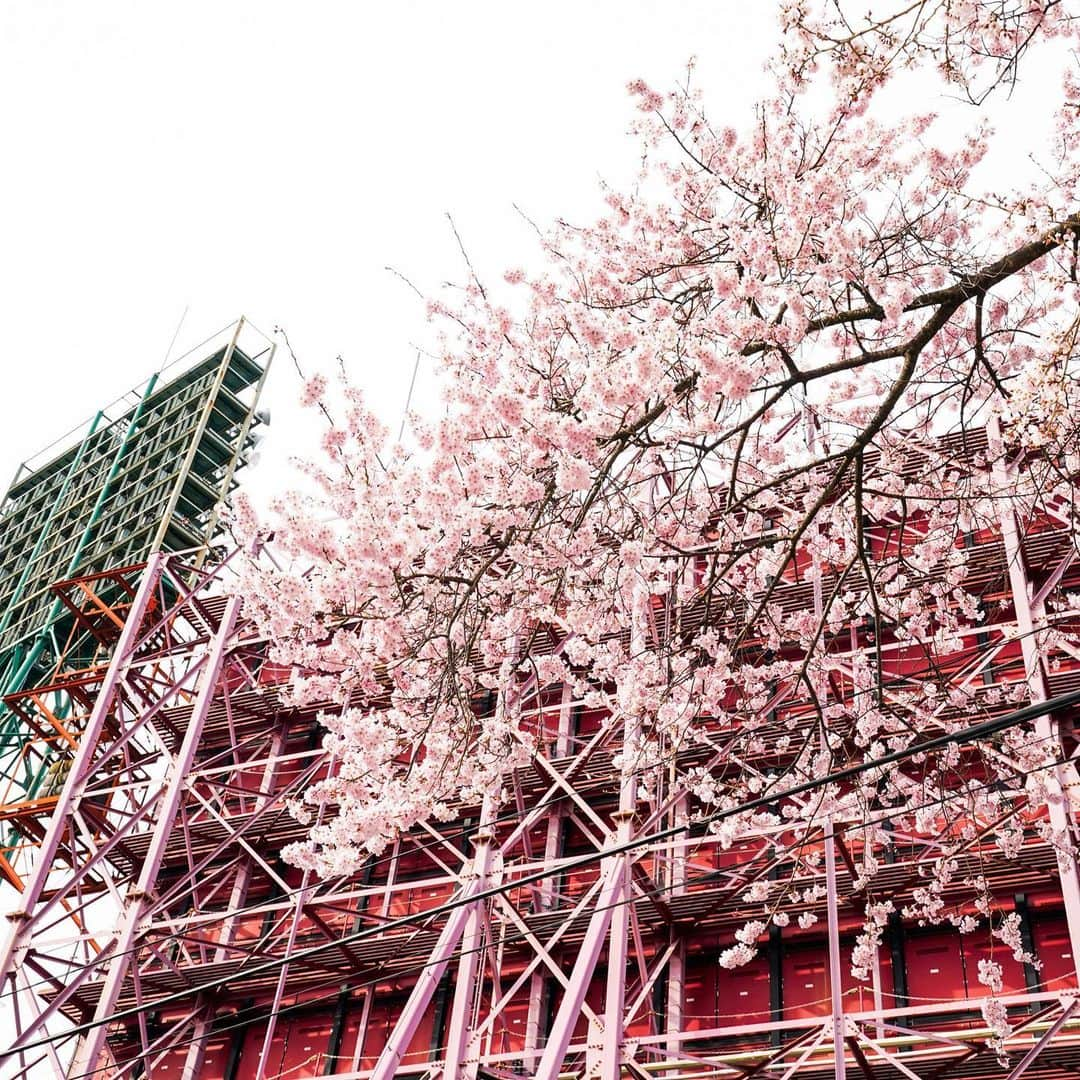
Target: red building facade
x,y
572,929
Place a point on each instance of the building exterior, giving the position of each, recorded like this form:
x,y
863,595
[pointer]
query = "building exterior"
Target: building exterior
x,y
572,931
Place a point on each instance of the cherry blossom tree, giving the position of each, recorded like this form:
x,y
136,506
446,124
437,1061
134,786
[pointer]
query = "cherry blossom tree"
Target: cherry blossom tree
x,y
806,349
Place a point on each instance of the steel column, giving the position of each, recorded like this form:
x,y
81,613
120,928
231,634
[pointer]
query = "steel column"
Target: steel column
x,y
138,899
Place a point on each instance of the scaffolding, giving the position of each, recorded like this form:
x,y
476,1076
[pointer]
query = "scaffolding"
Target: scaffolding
x,y
573,931
147,473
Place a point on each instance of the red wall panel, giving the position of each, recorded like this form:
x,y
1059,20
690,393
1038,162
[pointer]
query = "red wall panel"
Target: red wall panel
x,y
1052,945
805,981
743,993
935,967
509,1028
384,1013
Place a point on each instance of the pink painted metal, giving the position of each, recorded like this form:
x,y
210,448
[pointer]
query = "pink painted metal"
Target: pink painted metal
x,y
832,901
606,969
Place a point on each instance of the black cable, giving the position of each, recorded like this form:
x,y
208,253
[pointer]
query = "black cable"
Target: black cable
x,y
515,938
459,834
971,734
510,815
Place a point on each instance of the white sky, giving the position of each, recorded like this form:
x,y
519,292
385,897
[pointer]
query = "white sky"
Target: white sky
x,y
272,158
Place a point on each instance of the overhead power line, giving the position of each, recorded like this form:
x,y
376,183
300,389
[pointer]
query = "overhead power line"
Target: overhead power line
x,y
255,1014
960,738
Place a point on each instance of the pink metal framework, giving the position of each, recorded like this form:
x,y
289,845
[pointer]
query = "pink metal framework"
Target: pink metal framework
x,y
161,935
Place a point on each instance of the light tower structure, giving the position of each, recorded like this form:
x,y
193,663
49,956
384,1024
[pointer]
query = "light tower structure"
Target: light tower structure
x,y
147,473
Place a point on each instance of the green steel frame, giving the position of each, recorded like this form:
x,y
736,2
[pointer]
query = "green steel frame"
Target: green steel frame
x,y
147,474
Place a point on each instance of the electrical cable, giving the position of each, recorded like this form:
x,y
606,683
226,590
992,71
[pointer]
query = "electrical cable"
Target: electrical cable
x,y
460,834
341,986
508,816
763,801
590,856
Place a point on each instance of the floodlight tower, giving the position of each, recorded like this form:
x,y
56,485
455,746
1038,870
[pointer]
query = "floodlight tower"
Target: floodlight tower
x,y
146,474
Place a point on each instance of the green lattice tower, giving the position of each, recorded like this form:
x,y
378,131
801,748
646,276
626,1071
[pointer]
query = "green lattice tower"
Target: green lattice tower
x,y
147,473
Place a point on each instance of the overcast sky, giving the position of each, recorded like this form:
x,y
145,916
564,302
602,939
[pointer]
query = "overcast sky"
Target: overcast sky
x,y
272,159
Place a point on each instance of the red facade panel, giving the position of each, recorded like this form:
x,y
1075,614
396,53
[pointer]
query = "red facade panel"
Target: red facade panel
x,y
700,994
805,982
1054,950
384,1012
715,996
742,994
307,1044
935,967
510,1026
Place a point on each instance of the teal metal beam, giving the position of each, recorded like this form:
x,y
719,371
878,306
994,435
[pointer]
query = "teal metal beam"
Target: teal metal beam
x,y
16,595
10,725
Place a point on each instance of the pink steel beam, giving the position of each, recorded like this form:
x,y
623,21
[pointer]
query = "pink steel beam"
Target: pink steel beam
x,y
543,953
610,905
26,919
423,990
137,901
1027,617
888,1057
1029,1058
458,1037
615,992
591,948
836,992
81,773
279,992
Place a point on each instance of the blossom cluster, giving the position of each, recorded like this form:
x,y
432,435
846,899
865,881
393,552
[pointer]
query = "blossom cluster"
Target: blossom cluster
x,y
723,467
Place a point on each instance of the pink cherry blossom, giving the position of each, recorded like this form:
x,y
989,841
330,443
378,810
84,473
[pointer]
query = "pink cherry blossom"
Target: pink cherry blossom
x,y
727,463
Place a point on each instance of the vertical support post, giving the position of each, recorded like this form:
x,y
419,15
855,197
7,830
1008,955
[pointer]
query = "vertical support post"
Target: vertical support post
x,y
457,1041
362,1029
879,998
283,974
138,900
835,988
1031,973
776,982
674,996
294,927
619,934
538,1009
610,919
1027,618
464,920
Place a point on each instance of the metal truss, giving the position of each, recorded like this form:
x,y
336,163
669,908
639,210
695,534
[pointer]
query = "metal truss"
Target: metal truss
x,y
147,473
161,934
80,911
